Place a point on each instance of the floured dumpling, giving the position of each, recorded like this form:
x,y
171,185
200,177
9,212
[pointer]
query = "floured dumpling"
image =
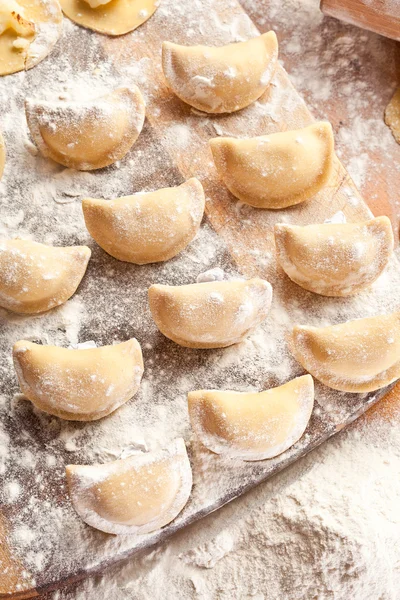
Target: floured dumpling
x,y
134,495
221,80
35,277
2,155
210,315
114,17
147,227
277,170
88,135
356,356
252,426
28,31
335,259
78,385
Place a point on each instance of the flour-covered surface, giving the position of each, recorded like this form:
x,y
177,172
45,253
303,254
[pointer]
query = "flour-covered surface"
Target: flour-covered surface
x,y
39,199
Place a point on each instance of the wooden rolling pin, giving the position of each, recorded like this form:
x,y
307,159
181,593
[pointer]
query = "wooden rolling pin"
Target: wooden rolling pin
x,y
381,16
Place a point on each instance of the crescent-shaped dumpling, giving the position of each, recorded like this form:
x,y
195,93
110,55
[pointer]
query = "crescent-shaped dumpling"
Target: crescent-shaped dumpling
x,y
134,495
356,356
29,30
221,80
113,17
78,385
88,135
252,426
147,228
278,170
210,315
335,259
35,277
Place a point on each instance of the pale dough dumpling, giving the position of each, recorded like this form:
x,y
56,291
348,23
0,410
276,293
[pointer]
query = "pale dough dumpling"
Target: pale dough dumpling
x,y
278,170
114,17
147,227
88,135
356,356
252,426
78,385
221,80
35,277
135,495
28,31
210,315
335,259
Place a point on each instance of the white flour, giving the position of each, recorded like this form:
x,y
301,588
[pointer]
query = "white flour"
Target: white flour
x,y
319,528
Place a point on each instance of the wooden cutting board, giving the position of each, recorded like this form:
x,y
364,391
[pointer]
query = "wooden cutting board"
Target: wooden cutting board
x,y
381,16
177,139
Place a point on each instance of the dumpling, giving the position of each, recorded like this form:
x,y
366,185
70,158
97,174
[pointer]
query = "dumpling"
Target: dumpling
x,y
28,31
335,259
147,228
221,80
35,277
88,135
135,495
277,170
252,426
78,385
210,315
2,155
114,17
356,356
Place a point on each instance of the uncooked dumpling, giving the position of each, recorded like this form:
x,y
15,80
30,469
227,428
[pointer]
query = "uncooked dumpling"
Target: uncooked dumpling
x,y
335,259
210,315
88,135
356,356
252,426
35,277
114,17
221,80
278,170
78,385
147,228
134,495
28,31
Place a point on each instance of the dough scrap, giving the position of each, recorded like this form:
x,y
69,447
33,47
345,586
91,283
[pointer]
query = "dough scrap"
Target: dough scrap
x,y
115,17
78,385
135,495
357,356
392,116
221,80
88,135
27,39
277,170
210,315
148,227
252,426
335,259
35,278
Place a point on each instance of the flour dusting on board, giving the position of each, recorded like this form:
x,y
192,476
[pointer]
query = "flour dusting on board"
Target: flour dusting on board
x,y
41,200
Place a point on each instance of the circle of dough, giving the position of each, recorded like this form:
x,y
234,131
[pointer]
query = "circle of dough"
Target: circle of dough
x,y
277,170
134,495
88,135
252,426
78,385
47,17
210,315
148,227
35,278
357,356
114,18
221,80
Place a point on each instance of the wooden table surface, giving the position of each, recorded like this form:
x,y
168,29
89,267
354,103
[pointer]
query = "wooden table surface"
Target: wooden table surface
x,y
346,76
